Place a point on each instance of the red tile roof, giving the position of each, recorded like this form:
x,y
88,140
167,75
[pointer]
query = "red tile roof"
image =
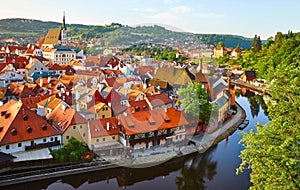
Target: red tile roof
x,y
159,99
98,128
136,106
140,122
16,122
63,116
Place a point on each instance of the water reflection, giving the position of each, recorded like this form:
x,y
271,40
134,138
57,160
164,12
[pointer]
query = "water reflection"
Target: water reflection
x,y
195,174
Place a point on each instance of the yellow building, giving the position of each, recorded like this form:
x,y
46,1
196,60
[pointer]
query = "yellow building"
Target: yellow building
x,y
102,110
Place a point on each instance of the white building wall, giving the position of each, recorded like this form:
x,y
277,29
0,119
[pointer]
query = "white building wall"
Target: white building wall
x,y
15,148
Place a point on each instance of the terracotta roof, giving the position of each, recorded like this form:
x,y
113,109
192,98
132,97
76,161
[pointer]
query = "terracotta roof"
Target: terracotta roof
x,y
52,36
56,67
98,128
148,121
16,122
97,107
145,69
51,102
158,99
63,116
136,106
158,82
31,102
10,60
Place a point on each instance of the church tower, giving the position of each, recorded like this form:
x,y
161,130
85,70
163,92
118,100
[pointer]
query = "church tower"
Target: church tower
x,y
63,32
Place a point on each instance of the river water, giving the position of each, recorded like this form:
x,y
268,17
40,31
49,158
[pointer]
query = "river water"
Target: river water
x,y
214,169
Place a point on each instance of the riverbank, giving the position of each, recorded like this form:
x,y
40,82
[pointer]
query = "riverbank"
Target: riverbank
x,y
138,160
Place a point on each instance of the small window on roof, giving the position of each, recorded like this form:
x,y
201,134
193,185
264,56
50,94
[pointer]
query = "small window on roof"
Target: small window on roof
x,y
7,115
29,130
44,127
3,113
25,117
1,128
13,132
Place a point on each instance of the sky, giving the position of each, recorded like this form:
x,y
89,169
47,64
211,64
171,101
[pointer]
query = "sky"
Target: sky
x,y
241,17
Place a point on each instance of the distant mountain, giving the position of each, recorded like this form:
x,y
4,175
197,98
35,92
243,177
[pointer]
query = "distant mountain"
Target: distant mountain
x,y
116,34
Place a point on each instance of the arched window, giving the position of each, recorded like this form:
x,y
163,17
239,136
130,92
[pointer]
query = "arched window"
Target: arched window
x,y
14,132
29,130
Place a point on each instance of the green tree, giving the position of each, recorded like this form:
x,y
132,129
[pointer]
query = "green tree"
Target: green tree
x,y
273,152
194,100
221,44
256,44
71,151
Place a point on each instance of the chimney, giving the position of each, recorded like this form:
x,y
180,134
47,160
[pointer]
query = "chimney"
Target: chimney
x,y
125,114
107,126
41,82
59,94
77,107
64,98
49,79
166,109
67,93
63,106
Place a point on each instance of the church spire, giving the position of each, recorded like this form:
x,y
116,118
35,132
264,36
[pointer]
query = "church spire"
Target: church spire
x,y
63,26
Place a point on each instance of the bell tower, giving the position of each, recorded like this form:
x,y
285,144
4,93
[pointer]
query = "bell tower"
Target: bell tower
x,y
63,32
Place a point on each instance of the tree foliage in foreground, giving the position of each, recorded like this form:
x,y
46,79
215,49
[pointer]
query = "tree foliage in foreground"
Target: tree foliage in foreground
x,y
71,151
194,100
272,153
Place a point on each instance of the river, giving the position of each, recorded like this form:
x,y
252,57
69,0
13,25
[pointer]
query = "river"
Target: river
x,y
215,169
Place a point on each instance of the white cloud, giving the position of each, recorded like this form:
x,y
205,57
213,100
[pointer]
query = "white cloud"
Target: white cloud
x,y
171,1
181,9
145,10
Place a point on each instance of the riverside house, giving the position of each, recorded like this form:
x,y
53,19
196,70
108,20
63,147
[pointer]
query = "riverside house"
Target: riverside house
x,y
146,129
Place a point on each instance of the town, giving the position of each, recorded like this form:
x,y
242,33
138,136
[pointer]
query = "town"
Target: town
x,y
118,104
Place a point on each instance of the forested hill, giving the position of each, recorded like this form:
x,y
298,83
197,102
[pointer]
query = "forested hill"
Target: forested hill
x,y
114,34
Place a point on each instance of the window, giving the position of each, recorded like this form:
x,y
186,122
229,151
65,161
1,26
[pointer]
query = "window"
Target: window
x,y
103,139
83,135
97,140
13,132
74,127
56,139
19,144
113,137
7,147
80,126
44,127
52,139
44,140
29,130
103,116
67,137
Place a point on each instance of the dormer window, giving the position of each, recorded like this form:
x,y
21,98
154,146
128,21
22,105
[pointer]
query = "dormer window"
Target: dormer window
x,y
1,128
3,113
13,132
7,115
29,130
25,117
44,127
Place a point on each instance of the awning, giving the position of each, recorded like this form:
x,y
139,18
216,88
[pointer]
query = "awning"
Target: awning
x,y
39,154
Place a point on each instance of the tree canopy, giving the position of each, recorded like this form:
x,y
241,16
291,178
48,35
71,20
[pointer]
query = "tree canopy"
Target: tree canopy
x,y
194,100
71,151
272,153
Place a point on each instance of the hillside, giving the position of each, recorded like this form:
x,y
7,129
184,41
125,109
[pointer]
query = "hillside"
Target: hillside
x,y
115,34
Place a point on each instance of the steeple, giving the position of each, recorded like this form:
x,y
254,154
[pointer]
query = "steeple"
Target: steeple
x,y
63,25
63,32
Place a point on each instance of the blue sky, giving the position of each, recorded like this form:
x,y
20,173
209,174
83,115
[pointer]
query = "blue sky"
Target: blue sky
x,y
246,18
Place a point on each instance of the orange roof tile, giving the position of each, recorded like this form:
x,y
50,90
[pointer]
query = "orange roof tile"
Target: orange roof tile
x,y
148,121
63,116
18,123
98,128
